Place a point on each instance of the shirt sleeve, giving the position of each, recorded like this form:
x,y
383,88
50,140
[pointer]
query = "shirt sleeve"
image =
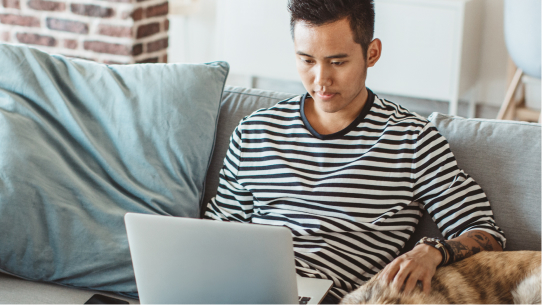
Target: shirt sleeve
x,y
232,201
455,202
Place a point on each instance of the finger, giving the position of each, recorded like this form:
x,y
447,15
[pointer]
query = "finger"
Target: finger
x,y
380,274
426,281
390,271
401,277
411,282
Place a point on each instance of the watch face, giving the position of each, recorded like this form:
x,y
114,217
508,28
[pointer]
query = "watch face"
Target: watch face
x,y
431,241
435,240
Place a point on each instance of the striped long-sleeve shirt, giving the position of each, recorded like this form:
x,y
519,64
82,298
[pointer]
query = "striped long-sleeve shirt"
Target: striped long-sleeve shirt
x,y
353,198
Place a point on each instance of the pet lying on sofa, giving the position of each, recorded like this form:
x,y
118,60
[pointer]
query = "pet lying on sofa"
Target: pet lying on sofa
x,y
484,278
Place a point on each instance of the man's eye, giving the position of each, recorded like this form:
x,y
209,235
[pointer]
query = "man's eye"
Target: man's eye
x,y
307,61
337,63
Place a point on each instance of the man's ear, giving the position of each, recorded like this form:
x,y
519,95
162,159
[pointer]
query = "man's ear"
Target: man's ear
x,y
373,52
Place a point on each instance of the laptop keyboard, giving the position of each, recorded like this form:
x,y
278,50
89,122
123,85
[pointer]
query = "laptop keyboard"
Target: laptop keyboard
x,y
304,300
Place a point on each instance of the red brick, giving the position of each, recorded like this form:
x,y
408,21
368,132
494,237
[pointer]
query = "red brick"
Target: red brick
x,y
148,29
164,59
137,49
70,43
67,25
5,36
41,40
115,30
157,45
11,4
92,10
148,60
105,47
157,10
137,14
46,5
166,25
19,20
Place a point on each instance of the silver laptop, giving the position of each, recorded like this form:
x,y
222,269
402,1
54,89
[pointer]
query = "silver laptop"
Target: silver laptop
x,y
186,260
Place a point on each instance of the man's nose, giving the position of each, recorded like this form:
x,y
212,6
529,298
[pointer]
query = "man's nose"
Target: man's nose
x,y
322,76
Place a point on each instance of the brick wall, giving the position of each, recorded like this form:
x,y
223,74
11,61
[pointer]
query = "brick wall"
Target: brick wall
x,y
108,31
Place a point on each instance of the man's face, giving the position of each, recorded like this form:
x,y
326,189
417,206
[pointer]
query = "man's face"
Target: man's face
x,y
331,65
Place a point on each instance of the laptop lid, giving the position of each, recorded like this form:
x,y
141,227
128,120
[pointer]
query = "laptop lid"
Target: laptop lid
x,y
186,260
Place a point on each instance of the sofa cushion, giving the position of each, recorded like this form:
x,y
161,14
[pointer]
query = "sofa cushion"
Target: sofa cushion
x,y
504,158
14,290
82,144
237,102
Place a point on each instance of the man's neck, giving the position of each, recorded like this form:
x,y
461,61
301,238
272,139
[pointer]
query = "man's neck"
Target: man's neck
x,y
329,123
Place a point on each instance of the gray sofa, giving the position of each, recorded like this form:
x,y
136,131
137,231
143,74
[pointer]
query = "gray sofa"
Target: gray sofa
x,y
504,158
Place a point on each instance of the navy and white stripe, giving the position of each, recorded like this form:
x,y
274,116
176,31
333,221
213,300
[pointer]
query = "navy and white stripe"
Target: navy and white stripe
x,y
351,199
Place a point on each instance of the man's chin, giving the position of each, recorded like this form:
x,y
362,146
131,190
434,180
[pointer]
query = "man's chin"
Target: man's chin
x,y
329,106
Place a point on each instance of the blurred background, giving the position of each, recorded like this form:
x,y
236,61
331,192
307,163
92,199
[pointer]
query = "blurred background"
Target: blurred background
x,y
449,56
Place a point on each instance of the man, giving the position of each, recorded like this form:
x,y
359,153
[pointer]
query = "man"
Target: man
x,y
347,172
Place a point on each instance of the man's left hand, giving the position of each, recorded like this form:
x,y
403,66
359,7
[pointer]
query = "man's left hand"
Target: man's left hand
x,y
419,264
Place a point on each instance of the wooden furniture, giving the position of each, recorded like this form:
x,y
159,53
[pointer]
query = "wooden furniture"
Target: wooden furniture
x,y
522,37
513,107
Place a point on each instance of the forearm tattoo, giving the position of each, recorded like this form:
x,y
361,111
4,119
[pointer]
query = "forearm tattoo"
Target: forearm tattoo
x,y
462,251
482,240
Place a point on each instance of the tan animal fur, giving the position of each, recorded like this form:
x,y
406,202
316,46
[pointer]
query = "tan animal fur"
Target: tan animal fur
x,y
486,277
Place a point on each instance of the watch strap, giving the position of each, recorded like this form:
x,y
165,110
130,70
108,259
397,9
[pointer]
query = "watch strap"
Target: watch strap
x,y
438,244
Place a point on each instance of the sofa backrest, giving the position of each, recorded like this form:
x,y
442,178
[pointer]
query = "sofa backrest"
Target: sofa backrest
x,y
503,157
237,102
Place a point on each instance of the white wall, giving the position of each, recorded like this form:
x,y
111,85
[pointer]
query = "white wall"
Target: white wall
x,y
192,38
195,39
267,49
494,56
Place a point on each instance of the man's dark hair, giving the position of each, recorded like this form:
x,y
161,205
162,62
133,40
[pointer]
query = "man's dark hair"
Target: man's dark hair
x,y
319,12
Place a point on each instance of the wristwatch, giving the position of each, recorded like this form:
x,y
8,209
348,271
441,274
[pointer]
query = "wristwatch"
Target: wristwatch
x,y
440,245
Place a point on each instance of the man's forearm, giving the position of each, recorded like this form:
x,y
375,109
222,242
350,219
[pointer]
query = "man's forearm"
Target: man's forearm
x,y
471,243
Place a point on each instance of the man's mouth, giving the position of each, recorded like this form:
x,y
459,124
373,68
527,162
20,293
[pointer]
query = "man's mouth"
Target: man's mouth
x,y
324,95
